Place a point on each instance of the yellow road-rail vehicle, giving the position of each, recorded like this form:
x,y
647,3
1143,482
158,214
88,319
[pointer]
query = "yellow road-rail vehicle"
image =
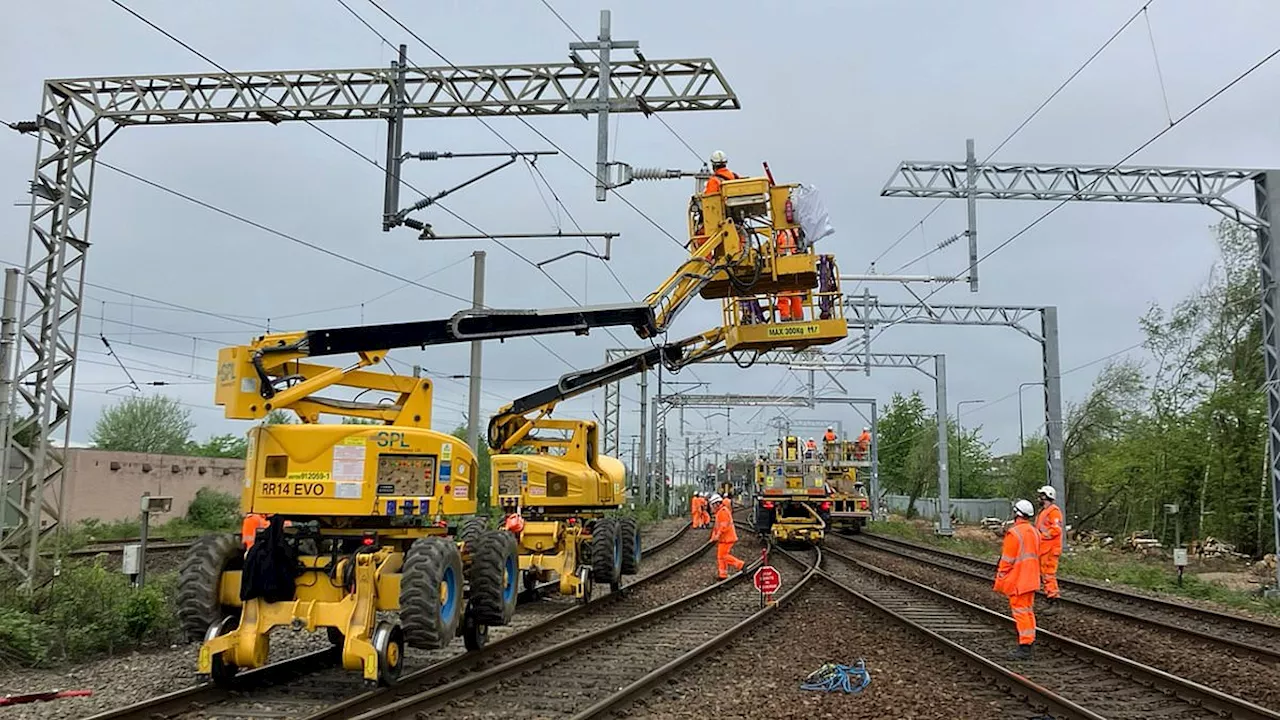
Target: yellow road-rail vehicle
x,y
850,507
801,494
362,516
558,493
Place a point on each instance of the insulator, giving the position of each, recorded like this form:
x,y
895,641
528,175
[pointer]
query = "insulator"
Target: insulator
x,y
639,173
951,239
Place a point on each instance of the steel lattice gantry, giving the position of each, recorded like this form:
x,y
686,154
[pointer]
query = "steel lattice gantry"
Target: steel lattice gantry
x,y
79,115
866,312
1138,184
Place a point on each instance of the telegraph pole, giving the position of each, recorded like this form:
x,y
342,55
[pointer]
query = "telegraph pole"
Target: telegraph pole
x,y
473,401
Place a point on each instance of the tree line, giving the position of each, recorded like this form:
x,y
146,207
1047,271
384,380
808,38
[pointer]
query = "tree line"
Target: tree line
x,y
1185,427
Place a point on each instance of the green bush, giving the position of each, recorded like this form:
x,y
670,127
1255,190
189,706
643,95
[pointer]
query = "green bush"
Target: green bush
x,y
214,510
24,639
88,610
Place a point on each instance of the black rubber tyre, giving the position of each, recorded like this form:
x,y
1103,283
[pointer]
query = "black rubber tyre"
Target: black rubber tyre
x,y
629,529
495,578
198,581
431,597
471,529
606,553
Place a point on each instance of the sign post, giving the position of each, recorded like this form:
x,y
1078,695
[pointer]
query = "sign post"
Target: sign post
x,y
767,581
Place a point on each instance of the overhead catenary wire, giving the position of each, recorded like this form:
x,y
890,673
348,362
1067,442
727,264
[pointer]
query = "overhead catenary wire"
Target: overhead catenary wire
x,y
367,159
1101,176
1026,121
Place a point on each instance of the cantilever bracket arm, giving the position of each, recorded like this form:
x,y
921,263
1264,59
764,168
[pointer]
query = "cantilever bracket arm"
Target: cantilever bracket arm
x,y
608,247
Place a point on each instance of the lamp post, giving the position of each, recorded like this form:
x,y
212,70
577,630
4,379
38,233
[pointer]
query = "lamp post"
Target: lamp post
x,y
1021,440
959,449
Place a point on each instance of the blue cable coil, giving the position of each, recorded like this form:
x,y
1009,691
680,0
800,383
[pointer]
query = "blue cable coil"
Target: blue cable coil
x,y
832,677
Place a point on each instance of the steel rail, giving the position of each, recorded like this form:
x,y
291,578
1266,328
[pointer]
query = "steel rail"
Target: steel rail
x,y
1257,651
283,671
635,689
1247,623
1193,693
1059,706
414,682
411,707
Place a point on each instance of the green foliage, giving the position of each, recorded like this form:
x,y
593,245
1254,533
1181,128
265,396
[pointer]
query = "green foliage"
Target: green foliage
x,y
145,423
908,447
220,446
87,610
360,421
214,510
279,417
1190,428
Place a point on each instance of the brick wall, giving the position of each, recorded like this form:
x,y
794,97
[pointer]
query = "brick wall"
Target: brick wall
x,y
107,485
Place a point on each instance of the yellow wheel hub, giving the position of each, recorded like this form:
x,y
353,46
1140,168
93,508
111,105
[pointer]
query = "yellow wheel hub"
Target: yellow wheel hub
x,y
444,593
393,654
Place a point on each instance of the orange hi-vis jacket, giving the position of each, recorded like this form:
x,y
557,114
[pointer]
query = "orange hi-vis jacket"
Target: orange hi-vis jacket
x,y
713,183
253,522
1049,525
694,502
724,531
1019,569
829,437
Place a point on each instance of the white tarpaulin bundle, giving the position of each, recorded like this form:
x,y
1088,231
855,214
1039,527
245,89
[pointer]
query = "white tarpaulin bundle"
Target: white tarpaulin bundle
x,y
811,214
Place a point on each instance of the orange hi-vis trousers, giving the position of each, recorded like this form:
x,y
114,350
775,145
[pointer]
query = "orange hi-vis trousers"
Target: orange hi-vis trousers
x,y
1023,618
725,559
1049,574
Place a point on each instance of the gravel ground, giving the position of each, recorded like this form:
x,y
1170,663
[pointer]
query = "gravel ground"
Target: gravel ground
x,y
1193,659
118,681
759,675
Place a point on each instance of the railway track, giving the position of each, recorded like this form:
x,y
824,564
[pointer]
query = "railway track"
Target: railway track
x,y
589,675
1068,678
1247,636
298,685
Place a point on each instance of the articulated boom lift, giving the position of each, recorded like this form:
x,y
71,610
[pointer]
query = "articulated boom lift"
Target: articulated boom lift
x,y
368,507
558,493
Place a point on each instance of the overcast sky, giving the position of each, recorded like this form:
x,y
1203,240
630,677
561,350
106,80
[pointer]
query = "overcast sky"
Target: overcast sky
x,y
833,93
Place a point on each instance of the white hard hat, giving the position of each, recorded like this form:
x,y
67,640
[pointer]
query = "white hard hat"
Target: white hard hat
x,y
1048,492
830,427
866,429
719,158
1024,508
715,498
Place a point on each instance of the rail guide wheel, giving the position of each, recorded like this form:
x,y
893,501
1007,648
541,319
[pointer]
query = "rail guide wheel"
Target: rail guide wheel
x,y
388,642
475,634
585,584
222,671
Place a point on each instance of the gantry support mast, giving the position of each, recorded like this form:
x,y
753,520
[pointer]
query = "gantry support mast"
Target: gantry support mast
x,y
79,115
1135,184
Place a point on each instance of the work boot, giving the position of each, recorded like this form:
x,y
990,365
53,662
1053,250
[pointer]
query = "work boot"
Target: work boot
x,y
1023,652
1050,607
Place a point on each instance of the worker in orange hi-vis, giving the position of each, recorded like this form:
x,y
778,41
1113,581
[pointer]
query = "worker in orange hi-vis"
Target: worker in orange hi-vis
x,y
863,444
1049,525
719,172
693,508
789,306
1018,575
724,535
700,517
249,527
